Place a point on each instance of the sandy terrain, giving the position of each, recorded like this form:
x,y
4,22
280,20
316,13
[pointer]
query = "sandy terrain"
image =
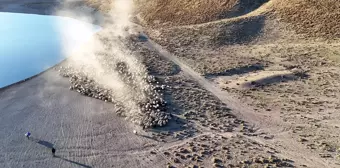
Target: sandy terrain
x,y
262,127
245,91
278,61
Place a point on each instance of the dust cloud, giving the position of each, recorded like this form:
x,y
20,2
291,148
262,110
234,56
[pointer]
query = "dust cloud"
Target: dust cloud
x,y
106,59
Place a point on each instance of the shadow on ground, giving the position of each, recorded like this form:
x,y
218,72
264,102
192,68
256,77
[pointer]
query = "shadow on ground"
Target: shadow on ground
x,y
278,79
51,145
243,31
42,142
238,70
242,8
45,143
73,162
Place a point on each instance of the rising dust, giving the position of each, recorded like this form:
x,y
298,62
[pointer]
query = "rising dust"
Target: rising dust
x,y
109,70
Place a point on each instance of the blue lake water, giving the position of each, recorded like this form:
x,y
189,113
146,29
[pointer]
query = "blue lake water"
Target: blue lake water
x,y
30,44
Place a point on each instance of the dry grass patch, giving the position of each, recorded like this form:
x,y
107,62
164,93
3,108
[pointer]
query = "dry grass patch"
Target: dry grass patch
x,y
314,18
185,12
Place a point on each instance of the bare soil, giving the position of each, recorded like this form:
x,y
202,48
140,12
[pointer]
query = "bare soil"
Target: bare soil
x,y
172,12
282,60
253,89
318,19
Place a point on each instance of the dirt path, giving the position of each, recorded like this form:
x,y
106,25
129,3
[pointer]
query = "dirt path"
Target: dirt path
x,y
239,109
266,123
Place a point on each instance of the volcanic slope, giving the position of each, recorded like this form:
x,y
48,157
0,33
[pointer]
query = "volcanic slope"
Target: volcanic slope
x,y
241,58
281,59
